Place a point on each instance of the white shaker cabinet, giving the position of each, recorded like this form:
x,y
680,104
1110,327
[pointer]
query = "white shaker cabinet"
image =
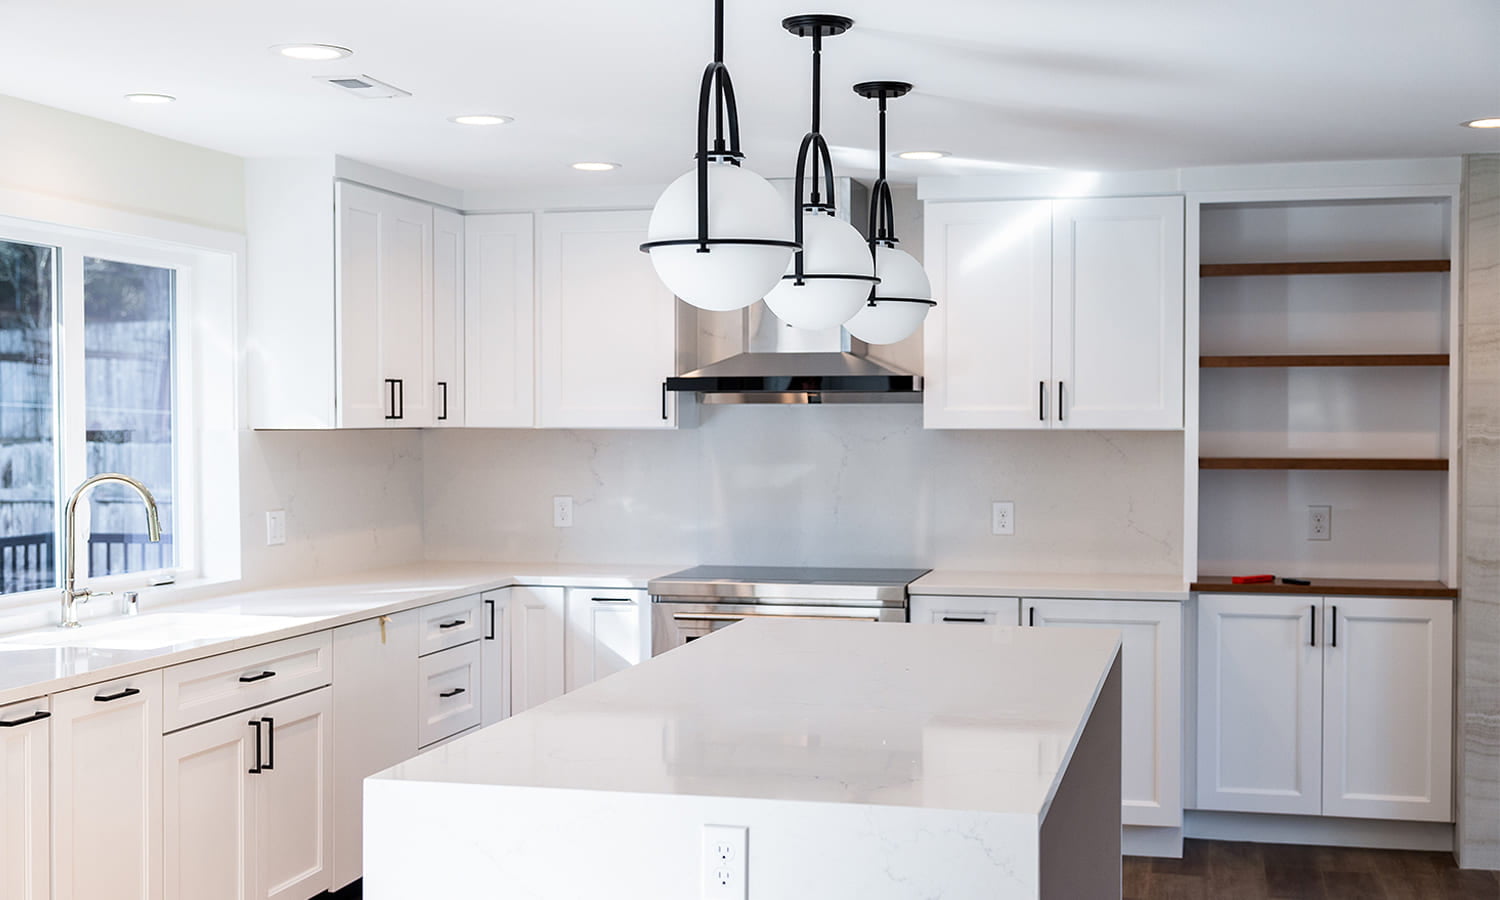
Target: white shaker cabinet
x,y
25,819
494,657
448,339
538,630
1055,314
106,790
1151,696
608,631
940,610
499,321
607,326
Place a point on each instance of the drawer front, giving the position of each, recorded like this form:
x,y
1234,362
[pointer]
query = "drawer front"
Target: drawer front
x,y
450,693
449,624
18,715
934,610
219,685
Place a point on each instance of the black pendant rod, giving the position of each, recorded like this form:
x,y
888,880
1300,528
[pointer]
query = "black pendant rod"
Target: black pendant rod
x,y
882,211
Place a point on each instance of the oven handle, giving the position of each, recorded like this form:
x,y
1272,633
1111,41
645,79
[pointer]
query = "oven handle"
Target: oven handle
x,y
735,617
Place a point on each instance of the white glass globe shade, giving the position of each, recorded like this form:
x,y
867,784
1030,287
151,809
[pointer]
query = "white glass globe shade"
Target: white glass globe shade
x,y
833,247
890,321
741,204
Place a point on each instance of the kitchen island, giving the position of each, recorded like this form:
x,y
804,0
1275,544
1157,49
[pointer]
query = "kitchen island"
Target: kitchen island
x,y
865,760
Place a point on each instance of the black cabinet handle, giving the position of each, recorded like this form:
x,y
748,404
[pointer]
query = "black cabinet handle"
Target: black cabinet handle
x,y
1059,401
106,698
664,401
491,605
34,717
453,693
270,743
1032,617
613,600
397,389
1335,641
1041,401
962,619
454,624
1312,627
255,723
247,679
443,416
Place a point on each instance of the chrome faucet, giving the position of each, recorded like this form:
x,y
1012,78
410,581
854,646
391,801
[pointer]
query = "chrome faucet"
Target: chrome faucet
x,y
70,596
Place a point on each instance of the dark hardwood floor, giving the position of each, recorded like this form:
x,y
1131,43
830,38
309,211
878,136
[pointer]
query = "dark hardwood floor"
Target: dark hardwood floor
x,y
1217,870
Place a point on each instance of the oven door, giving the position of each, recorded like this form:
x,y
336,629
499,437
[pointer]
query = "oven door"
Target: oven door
x,y
675,623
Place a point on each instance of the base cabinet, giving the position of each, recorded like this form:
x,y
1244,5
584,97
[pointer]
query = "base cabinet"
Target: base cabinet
x,y
538,629
106,790
494,657
935,610
25,820
607,632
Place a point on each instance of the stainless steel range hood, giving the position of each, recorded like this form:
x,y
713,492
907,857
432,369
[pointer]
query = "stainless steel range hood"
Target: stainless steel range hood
x,y
756,358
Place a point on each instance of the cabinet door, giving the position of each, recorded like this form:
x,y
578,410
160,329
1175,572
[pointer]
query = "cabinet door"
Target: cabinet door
x,y
447,318
450,694
1150,696
1388,708
1260,688
608,334
988,341
1117,288
375,704
537,630
208,813
606,633
25,824
494,657
293,831
965,610
499,322
106,790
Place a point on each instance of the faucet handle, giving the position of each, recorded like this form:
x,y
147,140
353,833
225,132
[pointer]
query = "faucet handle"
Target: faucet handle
x,y
85,595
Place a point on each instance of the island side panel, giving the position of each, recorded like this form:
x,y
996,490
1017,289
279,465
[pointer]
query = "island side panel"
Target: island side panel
x,y
1080,836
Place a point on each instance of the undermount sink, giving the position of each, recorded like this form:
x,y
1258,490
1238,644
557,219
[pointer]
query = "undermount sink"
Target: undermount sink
x,y
150,632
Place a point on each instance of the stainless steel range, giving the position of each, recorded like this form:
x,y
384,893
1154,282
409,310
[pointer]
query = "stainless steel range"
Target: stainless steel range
x,y
698,601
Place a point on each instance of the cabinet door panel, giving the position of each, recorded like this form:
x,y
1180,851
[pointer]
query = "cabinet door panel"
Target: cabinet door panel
x,y
1388,708
361,392
606,633
1259,704
447,318
1151,696
988,341
25,823
406,308
208,817
1117,312
494,657
106,790
293,832
608,332
499,322
537,631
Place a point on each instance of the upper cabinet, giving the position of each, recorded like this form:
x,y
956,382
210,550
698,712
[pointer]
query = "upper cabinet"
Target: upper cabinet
x,y
448,351
1055,314
499,321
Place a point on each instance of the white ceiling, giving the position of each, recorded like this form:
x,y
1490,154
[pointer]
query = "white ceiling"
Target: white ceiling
x,y
1093,84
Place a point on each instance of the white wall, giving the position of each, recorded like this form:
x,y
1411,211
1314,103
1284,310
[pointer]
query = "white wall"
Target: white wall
x,y
828,485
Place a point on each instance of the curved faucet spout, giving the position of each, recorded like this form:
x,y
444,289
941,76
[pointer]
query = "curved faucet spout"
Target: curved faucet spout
x,y
153,531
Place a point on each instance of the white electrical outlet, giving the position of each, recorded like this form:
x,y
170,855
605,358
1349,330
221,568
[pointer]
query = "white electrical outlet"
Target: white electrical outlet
x,y
275,527
1002,517
725,862
562,512
1320,523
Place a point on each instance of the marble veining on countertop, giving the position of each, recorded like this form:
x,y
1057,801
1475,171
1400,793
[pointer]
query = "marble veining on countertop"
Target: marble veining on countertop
x,y
970,583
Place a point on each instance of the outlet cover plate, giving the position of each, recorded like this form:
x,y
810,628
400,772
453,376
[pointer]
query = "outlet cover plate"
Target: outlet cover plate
x,y
725,862
1003,517
562,512
1320,523
275,527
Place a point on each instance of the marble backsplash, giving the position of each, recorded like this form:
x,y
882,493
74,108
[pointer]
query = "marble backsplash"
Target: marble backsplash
x,y
860,485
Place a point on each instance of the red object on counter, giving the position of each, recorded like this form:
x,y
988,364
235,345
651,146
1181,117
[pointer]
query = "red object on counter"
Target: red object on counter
x,y
1252,579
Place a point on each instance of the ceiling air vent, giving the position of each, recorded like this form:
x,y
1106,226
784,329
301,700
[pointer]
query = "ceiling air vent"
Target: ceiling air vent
x,y
365,87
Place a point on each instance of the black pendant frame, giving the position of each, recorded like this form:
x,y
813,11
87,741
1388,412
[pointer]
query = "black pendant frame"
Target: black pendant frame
x,y
882,210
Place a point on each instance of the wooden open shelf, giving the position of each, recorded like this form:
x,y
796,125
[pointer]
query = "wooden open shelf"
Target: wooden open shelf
x,y
1323,462
1351,267
1295,360
1362,587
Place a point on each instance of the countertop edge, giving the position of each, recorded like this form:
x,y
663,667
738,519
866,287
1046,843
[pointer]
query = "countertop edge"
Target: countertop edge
x,y
960,583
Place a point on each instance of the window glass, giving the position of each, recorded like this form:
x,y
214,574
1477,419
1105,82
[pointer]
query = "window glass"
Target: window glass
x,y
129,363
28,454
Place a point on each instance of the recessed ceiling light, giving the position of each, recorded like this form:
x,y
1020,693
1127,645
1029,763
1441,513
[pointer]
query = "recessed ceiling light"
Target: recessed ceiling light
x,y
481,120
595,166
312,52
150,98
924,154
1487,122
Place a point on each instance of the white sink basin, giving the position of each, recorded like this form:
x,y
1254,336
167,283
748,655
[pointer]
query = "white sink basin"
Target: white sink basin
x,y
150,632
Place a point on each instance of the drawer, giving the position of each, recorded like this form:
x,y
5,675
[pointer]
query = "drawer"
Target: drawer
x,y
231,682
449,685
17,715
935,610
449,624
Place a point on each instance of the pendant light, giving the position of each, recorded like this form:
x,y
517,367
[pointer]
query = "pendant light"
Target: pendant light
x,y
832,271
718,235
900,302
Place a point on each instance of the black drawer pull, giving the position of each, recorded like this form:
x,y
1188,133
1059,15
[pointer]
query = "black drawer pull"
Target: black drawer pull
x,y
246,679
453,693
491,605
979,621
454,624
614,600
106,698
270,743
1335,620
255,723
34,717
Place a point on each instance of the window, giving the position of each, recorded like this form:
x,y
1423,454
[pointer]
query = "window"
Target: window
x,y
89,383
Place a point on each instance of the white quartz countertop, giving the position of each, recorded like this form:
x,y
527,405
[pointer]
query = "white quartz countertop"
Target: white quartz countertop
x,y
887,714
288,610
961,583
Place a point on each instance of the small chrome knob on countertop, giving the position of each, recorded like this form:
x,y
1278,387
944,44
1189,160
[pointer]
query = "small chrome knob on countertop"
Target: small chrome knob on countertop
x,y
132,603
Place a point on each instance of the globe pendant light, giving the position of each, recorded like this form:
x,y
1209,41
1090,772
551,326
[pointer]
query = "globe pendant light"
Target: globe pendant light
x,y
831,273
899,303
718,235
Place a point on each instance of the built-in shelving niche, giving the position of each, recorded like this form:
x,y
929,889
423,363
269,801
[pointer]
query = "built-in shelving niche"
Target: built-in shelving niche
x,y
1326,379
